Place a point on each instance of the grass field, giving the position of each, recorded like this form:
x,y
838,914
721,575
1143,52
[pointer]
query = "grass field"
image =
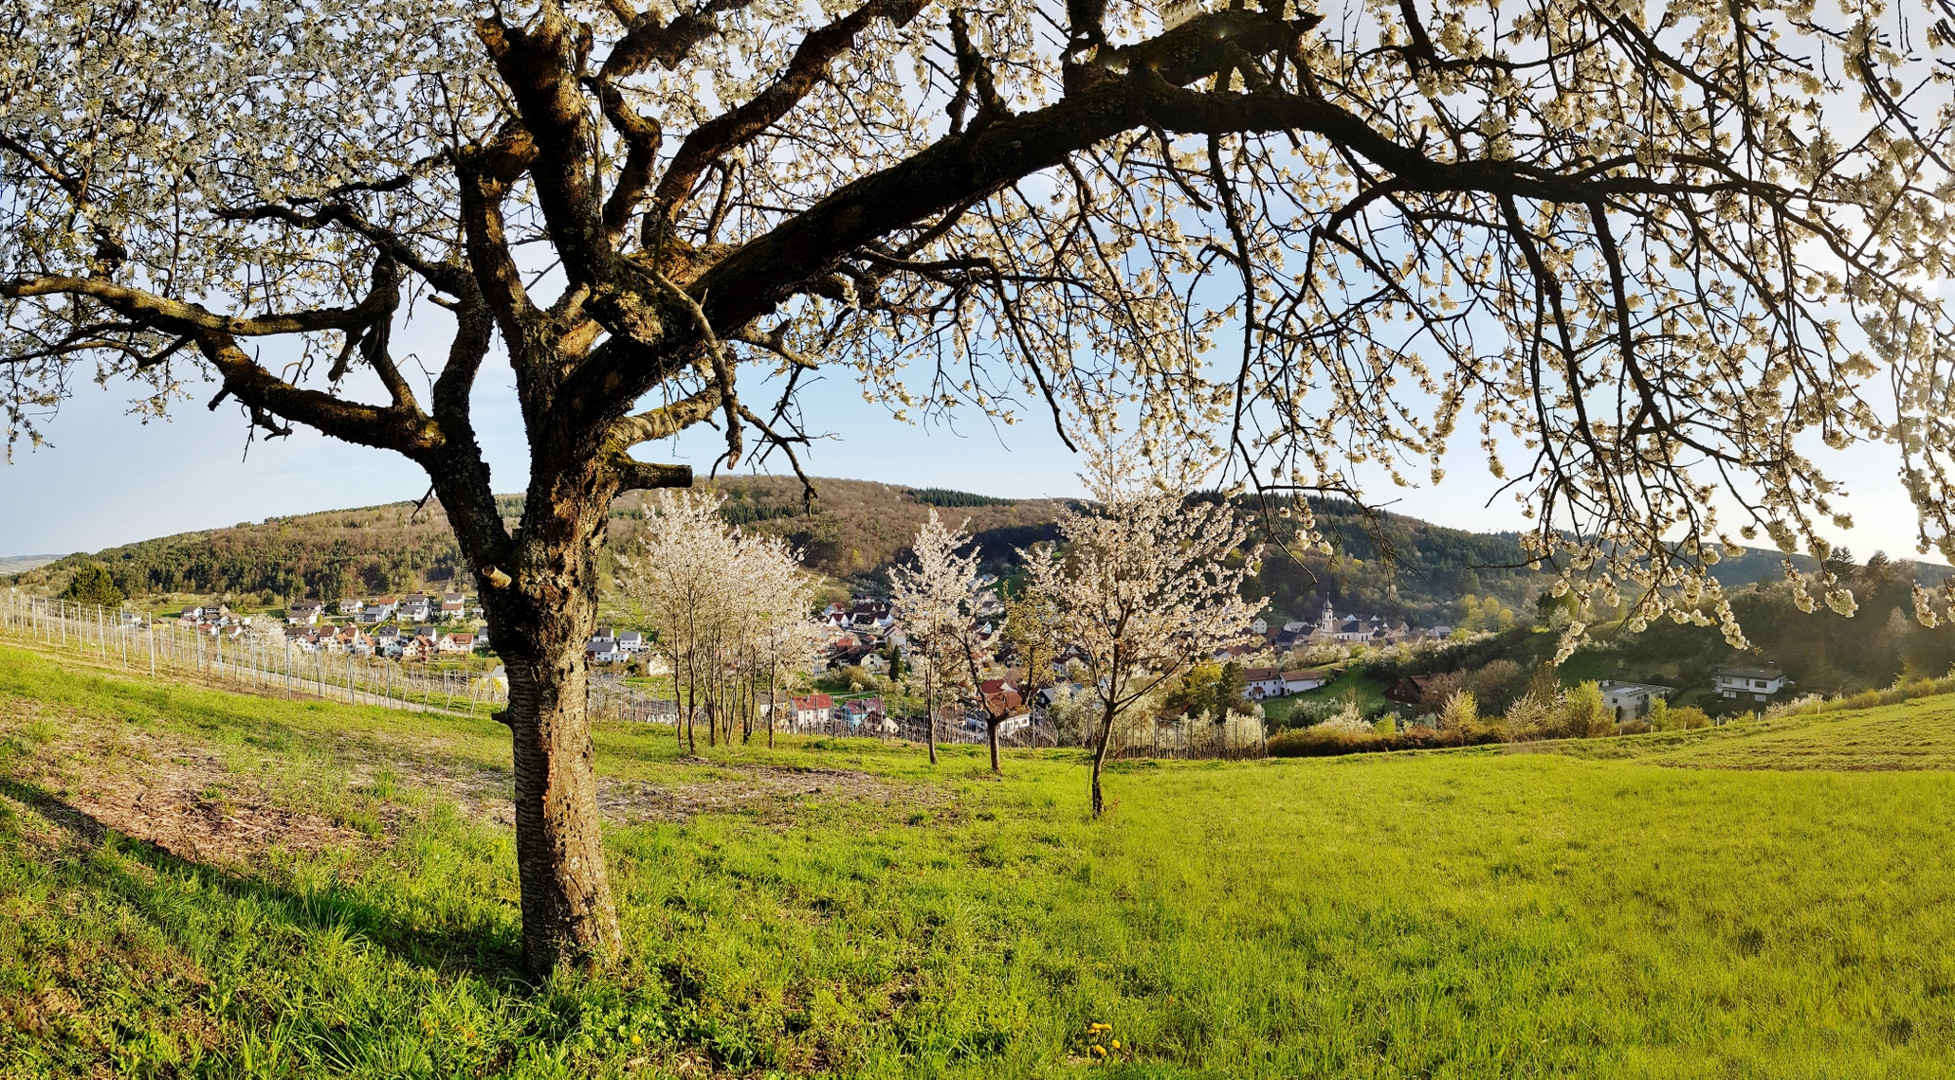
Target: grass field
x,y
1351,684
194,883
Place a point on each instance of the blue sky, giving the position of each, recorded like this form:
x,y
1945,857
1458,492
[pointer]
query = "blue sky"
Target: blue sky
x,y
109,479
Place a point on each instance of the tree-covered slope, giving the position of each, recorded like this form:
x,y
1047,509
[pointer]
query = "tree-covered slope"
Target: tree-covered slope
x,y
1385,564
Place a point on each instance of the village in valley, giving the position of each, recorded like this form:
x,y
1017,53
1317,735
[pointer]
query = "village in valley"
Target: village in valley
x,y
413,627
861,658
863,637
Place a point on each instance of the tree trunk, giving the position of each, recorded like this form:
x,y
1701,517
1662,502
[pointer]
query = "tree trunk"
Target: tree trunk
x,y
541,622
568,918
930,716
992,726
1099,759
749,689
678,706
692,708
541,603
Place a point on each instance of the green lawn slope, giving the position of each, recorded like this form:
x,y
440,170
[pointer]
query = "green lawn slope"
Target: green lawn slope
x,y
194,883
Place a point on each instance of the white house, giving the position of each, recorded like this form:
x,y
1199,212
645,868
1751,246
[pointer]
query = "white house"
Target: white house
x,y
455,644
1264,682
453,605
812,710
631,642
1296,682
1756,681
414,608
351,605
303,613
1629,700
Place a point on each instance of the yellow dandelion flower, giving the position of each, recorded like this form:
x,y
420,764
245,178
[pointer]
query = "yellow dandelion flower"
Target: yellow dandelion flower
x,y
1116,1044
637,1041
1098,1050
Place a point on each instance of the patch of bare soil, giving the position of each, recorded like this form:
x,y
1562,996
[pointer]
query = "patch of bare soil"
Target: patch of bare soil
x,y
180,799
90,776
776,794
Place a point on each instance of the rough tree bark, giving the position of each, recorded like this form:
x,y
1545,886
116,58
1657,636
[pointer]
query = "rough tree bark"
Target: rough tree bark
x,y
541,606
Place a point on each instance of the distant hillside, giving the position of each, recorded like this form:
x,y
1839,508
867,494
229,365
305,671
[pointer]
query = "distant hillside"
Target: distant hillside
x,y
1393,565
14,564
855,531
1387,564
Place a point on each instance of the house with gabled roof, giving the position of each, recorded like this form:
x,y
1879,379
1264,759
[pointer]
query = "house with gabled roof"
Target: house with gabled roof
x,y
1297,682
811,710
1755,682
1263,682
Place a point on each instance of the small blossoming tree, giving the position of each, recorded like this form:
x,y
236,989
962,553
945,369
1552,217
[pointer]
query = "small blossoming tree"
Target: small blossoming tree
x,y
1139,584
730,608
939,600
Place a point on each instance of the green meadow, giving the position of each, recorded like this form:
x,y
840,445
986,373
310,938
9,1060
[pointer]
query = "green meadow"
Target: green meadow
x,y
197,883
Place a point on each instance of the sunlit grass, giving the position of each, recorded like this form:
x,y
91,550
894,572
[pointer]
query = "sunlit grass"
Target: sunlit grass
x,y
1454,914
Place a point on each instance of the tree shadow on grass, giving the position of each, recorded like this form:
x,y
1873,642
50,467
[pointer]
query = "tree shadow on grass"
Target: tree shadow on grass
x,y
492,954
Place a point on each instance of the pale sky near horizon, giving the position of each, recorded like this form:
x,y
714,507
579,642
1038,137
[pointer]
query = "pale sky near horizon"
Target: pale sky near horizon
x,y
108,479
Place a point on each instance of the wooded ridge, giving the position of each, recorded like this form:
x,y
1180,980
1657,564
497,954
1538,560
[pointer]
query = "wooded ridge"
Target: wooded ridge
x,y
1389,565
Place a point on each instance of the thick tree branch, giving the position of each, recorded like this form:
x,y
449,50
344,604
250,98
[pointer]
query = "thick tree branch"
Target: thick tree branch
x,y
642,136
666,420
176,316
474,331
542,65
634,475
399,430
712,140
485,173
648,41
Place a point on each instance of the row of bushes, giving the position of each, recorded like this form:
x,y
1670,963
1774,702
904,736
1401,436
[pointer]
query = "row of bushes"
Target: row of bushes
x,y
1327,740
1545,711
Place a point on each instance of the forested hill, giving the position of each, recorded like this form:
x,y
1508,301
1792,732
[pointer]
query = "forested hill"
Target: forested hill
x,y
854,532
1387,564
